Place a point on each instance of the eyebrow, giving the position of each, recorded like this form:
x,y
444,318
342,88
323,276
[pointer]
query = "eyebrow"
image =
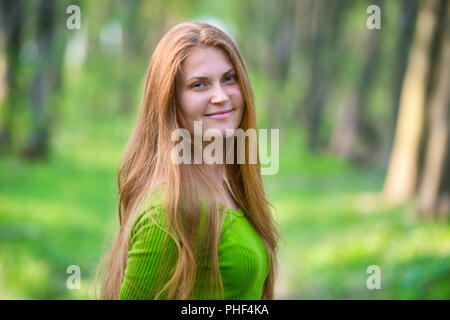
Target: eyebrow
x,y
205,78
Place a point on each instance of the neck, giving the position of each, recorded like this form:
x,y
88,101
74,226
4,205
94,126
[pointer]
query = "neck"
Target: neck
x,y
216,169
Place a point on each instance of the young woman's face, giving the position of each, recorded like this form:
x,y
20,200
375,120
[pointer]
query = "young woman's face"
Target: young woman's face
x,y
209,91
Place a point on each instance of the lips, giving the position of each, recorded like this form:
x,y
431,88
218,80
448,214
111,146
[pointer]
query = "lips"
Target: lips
x,y
220,114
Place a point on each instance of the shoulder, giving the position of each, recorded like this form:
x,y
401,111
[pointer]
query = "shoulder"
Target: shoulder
x,y
150,221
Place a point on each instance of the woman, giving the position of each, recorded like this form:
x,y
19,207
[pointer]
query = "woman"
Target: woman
x,y
191,230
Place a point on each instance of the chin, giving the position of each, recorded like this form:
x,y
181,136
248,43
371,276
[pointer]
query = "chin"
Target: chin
x,y
223,128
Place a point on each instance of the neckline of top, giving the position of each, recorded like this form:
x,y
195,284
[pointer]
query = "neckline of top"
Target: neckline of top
x,y
236,212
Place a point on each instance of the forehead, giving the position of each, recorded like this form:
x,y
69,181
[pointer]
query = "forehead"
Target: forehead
x,y
205,61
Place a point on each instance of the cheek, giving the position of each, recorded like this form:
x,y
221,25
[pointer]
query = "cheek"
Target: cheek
x,y
236,98
193,106
238,103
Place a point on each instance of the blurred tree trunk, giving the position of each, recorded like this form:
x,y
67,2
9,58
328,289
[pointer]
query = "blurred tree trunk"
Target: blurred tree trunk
x,y
400,182
408,18
328,16
274,31
129,49
46,80
11,14
283,35
272,40
352,122
434,190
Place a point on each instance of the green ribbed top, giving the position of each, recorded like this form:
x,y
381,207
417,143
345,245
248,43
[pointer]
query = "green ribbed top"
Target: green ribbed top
x,y
243,260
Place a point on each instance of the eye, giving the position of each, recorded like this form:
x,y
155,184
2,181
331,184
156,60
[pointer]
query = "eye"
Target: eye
x,y
230,78
197,85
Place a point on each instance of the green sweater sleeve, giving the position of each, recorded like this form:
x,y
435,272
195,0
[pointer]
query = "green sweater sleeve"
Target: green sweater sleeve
x,y
152,256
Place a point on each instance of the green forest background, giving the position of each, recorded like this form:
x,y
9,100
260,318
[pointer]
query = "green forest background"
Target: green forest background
x,y
363,118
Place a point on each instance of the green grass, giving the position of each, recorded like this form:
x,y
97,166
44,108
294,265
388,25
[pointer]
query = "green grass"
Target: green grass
x,y
335,225
56,213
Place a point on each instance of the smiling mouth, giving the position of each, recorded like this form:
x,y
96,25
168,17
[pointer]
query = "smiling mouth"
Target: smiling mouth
x,y
220,114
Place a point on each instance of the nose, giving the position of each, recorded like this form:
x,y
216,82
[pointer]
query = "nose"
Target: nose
x,y
219,96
